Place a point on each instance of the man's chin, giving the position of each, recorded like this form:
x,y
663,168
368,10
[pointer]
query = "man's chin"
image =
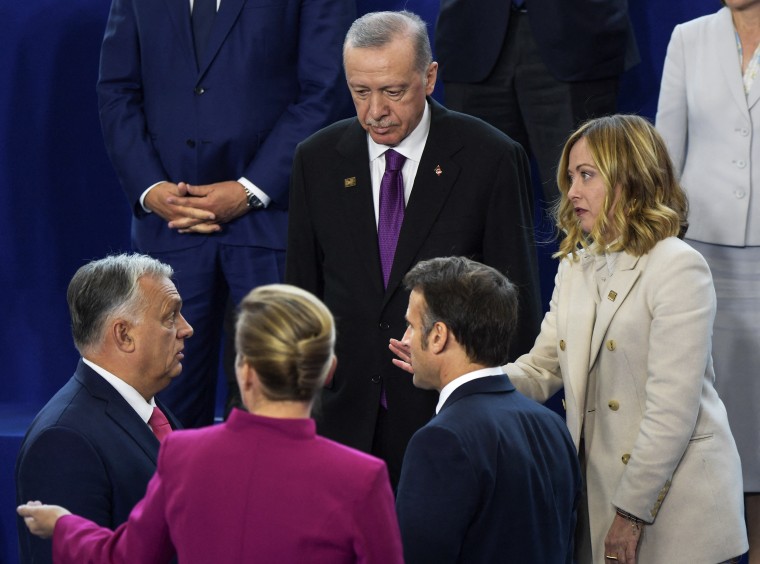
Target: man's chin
x,y
421,384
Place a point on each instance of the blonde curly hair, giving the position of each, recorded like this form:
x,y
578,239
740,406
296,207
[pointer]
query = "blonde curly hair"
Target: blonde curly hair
x,y
629,154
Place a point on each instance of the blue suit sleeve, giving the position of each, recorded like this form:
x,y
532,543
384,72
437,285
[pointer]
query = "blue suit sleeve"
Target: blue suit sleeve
x,y
61,467
437,497
322,98
120,102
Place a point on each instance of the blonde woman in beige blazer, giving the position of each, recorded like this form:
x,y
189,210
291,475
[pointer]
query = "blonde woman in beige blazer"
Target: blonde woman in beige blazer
x,y
628,336
709,116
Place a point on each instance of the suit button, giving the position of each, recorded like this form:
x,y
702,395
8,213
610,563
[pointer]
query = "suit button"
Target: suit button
x,y
611,345
384,325
614,405
199,90
375,379
745,132
740,163
739,194
625,458
562,344
190,143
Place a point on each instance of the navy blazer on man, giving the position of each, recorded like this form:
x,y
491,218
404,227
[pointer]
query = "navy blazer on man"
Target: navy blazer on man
x,y
494,477
88,451
265,82
471,197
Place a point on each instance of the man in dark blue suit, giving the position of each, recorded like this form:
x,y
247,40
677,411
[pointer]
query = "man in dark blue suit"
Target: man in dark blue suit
x,y
94,446
202,103
494,476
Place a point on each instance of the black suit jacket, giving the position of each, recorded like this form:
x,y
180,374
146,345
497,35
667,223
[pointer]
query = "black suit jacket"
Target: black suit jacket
x,y
88,451
578,39
494,477
471,197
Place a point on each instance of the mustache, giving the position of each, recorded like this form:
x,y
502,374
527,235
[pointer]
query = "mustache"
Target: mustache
x,y
382,123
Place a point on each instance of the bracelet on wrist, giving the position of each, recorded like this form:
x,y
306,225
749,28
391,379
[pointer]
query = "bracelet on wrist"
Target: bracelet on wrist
x,y
629,517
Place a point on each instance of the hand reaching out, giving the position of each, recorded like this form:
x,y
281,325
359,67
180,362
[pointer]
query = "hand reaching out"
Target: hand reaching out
x,y
41,519
404,360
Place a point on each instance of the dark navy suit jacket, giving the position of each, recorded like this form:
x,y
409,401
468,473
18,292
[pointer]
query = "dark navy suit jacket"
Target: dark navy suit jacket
x,y
494,477
578,39
269,76
88,451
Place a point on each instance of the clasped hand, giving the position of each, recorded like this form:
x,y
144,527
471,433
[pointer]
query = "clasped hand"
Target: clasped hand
x,y
197,209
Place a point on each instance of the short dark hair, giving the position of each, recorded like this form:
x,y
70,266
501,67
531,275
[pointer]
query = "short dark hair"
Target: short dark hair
x,y
105,288
477,303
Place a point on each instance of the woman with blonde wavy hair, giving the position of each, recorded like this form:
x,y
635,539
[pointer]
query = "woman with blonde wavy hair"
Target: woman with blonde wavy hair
x,y
628,337
262,487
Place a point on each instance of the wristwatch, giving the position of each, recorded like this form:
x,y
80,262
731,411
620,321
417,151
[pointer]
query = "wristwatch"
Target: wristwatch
x,y
251,199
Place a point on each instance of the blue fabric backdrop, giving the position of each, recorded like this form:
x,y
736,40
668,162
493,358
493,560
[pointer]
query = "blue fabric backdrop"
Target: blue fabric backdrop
x,y
60,203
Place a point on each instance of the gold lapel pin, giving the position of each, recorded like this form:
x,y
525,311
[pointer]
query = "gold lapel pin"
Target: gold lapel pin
x,y
438,170
612,295
349,182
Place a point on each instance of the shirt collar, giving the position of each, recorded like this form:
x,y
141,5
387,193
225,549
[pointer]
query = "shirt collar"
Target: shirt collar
x,y
143,408
469,377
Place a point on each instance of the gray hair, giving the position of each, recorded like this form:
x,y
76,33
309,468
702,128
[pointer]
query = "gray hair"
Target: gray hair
x,y
377,29
108,288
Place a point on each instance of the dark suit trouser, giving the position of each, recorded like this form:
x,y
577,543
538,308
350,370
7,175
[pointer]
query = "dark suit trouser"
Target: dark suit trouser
x,y
523,99
206,276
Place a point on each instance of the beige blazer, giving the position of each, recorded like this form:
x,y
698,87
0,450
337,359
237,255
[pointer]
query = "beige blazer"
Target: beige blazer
x,y
661,447
709,126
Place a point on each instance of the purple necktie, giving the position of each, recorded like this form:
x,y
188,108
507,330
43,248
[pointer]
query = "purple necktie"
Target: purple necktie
x,y
160,424
391,210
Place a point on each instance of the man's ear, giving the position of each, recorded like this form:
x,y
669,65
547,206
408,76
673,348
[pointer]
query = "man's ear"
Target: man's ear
x,y
438,337
121,333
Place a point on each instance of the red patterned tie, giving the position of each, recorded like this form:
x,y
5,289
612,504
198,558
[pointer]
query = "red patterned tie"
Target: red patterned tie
x,y
160,424
391,210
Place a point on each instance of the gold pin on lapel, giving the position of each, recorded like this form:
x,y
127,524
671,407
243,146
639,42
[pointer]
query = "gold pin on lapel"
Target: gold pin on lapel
x,y
438,170
349,182
612,295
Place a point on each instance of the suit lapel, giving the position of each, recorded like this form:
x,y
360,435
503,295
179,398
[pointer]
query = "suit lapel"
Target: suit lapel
x,y
620,285
436,176
119,411
179,13
578,322
725,51
228,13
355,183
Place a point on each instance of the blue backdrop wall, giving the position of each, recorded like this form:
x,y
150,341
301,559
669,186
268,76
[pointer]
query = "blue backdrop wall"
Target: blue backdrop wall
x,y
60,203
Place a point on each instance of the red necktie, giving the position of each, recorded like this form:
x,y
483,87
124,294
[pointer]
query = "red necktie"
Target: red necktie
x,y
160,424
